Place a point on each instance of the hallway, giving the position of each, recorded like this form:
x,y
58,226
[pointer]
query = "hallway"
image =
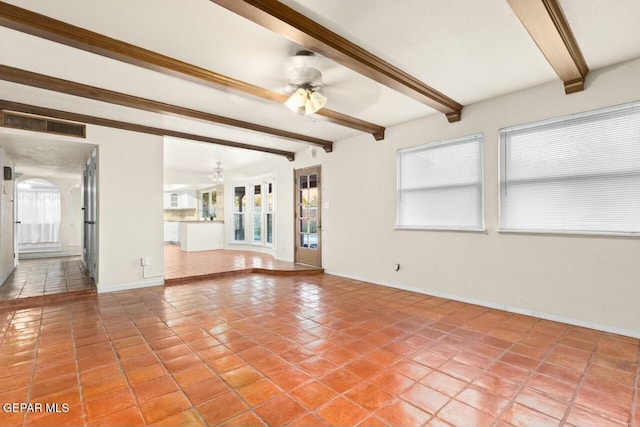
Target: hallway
x,y
35,279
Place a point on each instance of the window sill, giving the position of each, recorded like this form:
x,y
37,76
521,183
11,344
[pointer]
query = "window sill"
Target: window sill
x,y
463,230
568,233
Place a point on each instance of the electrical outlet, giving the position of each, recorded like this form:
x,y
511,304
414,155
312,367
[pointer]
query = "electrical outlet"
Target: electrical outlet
x,y
144,261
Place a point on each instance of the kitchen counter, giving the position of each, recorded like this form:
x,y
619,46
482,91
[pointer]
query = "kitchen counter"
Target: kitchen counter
x,y
201,235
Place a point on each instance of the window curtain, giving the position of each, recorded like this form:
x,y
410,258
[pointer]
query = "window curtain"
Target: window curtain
x,y
39,216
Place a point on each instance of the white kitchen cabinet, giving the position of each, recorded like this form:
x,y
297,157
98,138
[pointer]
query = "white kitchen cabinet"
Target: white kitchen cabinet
x,y
180,199
172,232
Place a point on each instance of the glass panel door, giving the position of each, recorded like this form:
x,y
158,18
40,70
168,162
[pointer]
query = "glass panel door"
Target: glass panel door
x,y
308,227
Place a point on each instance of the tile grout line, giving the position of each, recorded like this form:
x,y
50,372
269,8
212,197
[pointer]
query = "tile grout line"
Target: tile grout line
x,y
75,358
33,369
579,385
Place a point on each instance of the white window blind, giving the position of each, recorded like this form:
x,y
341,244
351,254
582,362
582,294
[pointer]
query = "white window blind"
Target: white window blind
x,y
440,185
577,174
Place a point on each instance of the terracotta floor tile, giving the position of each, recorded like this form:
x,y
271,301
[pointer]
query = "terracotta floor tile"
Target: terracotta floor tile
x,y
521,416
246,419
542,403
608,406
127,417
369,396
459,414
308,420
226,364
148,373
190,417
54,385
164,406
341,412
313,394
105,405
290,378
483,400
425,398
556,389
412,370
154,388
341,380
203,391
584,417
104,387
400,413
192,375
259,392
392,381
280,411
379,350
241,377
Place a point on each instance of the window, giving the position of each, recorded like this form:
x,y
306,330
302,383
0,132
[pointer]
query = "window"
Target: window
x,y
239,208
269,212
440,185
576,174
257,214
253,213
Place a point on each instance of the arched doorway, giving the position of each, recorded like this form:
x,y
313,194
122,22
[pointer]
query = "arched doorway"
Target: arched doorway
x,y
38,216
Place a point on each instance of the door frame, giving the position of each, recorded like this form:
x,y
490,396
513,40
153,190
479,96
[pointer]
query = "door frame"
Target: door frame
x,y
296,217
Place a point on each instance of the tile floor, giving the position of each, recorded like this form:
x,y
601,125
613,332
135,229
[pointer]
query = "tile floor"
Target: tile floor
x,y
306,351
38,278
179,265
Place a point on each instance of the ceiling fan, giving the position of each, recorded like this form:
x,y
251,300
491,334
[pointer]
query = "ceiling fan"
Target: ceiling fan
x,y
305,82
313,80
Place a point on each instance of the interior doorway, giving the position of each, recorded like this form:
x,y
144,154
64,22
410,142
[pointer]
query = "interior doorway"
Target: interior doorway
x,y
308,221
39,215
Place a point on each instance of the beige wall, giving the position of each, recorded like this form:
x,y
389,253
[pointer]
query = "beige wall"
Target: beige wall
x,y
582,279
130,211
6,220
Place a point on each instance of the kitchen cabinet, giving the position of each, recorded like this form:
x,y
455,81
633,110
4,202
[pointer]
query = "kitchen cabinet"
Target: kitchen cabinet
x,y
172,232
180,199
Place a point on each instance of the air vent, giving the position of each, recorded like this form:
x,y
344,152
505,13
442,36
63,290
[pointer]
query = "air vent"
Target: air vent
x,y
23,121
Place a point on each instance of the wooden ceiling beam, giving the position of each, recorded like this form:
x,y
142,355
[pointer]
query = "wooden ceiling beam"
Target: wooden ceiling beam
x,y
287,22
133,127
549,29
48,28
42,81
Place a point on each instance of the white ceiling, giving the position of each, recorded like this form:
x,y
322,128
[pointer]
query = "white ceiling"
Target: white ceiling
x,y
468,49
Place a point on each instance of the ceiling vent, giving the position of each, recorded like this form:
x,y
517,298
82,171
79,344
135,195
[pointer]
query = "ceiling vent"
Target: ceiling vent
x,y
24,121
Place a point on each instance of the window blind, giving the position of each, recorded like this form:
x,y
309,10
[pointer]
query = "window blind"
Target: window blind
x,y
440,185
576,174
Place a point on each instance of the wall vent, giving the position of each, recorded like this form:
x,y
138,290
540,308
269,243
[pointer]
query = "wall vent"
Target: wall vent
x,y
11,119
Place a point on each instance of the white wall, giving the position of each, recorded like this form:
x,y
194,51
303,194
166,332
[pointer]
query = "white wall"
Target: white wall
x,y
583,279
71,218
6,220
130,210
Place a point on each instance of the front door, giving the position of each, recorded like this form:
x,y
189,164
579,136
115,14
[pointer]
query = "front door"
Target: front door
x,y
308,244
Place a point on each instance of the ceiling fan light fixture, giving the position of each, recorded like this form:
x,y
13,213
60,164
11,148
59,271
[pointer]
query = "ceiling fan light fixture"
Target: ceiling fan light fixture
x,y
315,102
309,99
217,173
297,100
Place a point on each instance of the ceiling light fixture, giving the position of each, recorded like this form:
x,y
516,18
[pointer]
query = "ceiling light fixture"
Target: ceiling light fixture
x,y
217,175
305,82
308,98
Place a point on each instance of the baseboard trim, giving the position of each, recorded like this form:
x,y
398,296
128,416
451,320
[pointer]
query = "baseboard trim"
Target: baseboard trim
x,y
129,286
489,304
6,276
